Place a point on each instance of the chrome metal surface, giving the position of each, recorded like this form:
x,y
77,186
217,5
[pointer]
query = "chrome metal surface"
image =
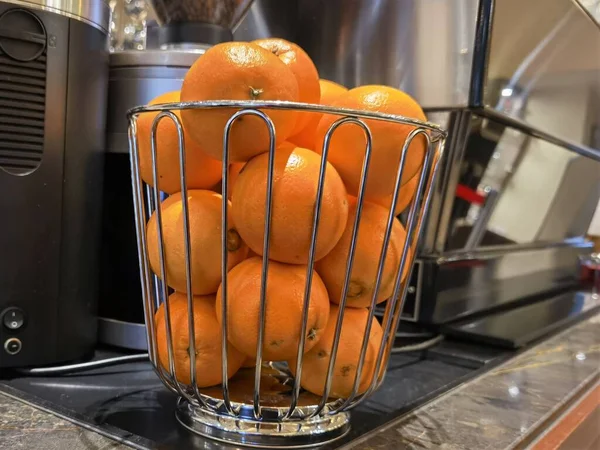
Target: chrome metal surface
x,y
155,58
550,137
224,13
546,193
318,430
359,205
136,77
527,63
122,334
393,307
520,97
438,132
268,18
482,220
463,283
401,43
92,12
540,61
592,7
458,125
304,419
483,26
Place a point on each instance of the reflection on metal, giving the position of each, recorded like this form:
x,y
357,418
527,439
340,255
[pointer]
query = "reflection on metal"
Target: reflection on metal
x,y
122,334
542,51
463,283
591,7
268,18
545,193
437,227
545,49
551,38
405,44
92,12
228,14
520,97
256,420
481,223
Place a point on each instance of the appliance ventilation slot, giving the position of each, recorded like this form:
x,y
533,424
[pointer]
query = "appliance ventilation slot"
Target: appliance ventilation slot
x,y
22,111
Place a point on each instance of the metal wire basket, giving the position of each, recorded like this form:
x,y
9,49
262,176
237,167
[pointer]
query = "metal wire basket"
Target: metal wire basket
x,y
244,411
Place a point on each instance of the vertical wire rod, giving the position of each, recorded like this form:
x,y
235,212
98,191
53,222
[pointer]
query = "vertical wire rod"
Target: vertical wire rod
x,y
139,225
352,249
148,293
156,287
265,263
151,207
380,268
161,255
410,232
263,288
381,265
154,291
188,260
224,267
308,283
433,172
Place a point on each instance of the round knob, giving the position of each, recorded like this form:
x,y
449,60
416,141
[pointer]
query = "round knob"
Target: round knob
x,y
22,35
12,346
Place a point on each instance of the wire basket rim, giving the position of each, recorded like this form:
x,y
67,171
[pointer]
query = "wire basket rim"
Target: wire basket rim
x,y
439,132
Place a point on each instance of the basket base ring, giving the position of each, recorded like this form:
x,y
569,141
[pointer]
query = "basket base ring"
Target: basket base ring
x,y
253,433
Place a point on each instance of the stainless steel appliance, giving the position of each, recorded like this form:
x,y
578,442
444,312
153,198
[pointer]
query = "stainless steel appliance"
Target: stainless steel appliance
x,y
519,93
189,23
136,77
517,84
53,84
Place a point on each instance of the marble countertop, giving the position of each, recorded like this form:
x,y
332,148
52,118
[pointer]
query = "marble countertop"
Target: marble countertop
x,y
500,409
504,407
23,426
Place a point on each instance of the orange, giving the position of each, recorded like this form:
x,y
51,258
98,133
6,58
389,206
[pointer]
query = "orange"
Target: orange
x,y
204,209
251,254
405,196
207,333
348,143
249,362
237,71
316,361
332,268
274,391
303,69
295,178
307,136
234,171
284,303
201,171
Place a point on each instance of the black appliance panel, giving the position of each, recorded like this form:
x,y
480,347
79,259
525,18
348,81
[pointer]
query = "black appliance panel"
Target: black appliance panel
x,y
51,209
521,326
31,207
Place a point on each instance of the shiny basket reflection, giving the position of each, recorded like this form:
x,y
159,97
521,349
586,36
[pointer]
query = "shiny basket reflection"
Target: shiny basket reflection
x,y
266,406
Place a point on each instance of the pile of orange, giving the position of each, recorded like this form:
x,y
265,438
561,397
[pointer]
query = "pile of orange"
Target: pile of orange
x,y
274,69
